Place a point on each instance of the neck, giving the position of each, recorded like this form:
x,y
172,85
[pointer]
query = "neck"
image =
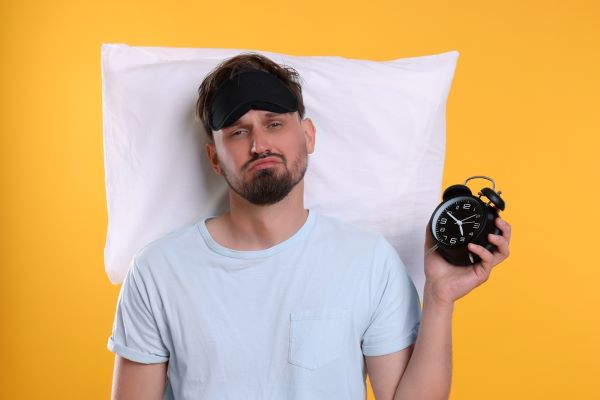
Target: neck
x,y
253,227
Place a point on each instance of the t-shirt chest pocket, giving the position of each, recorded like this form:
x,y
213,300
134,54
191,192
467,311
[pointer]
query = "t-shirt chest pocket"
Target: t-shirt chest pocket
x,y
317,336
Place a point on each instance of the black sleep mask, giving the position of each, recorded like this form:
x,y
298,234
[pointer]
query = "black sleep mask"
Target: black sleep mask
x,y
249,89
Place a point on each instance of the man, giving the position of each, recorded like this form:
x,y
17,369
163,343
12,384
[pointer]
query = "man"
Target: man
x,y
273,301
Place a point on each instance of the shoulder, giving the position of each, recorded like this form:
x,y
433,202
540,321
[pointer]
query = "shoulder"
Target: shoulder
x,y
351,235
343,227
357,241
371,254
171,244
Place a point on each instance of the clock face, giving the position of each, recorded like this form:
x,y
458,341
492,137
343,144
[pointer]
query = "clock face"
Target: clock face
x,y
458,221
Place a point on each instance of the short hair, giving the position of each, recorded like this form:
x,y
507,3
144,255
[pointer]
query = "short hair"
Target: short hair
x,y
229,67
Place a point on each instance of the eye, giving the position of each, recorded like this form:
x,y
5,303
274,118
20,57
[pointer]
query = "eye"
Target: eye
x,y
275,124
236,133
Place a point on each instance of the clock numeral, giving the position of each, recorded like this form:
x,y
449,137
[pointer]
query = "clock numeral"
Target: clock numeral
x,y
445,237
471,233
453,241
443,221
442,229
462,238
476,225
467,206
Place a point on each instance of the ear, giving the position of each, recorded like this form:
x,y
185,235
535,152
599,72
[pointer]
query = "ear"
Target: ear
x,y
309,134
211,153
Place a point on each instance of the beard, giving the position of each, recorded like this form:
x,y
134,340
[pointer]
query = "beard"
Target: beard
x,y
268,186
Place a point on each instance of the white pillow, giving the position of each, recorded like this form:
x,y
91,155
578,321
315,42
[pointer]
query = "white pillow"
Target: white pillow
x,y
378,160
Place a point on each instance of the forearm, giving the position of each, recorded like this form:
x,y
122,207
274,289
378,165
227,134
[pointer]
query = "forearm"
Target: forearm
x,y
428,374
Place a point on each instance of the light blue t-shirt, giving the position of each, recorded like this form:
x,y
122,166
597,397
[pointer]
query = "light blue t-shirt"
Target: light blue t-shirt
x,y
291,322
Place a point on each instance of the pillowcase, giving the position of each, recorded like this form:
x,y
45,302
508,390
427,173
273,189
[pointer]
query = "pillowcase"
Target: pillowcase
x,y
378,160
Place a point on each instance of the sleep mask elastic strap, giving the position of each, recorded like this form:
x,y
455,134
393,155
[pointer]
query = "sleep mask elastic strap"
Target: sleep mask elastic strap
x,y
249,89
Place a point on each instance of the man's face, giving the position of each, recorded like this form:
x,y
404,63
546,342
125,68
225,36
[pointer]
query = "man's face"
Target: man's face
x,y
281,141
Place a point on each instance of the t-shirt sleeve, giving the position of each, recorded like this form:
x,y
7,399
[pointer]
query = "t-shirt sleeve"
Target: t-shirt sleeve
x,y
135,334
397,310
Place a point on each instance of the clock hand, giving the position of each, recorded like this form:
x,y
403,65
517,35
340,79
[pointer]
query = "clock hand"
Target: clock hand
x,y
453,217
468,217
458,222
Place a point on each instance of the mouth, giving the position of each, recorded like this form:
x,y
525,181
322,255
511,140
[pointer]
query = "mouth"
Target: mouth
x,y
264,163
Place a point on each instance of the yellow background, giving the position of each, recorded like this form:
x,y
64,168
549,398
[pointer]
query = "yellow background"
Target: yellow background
x,y
523,109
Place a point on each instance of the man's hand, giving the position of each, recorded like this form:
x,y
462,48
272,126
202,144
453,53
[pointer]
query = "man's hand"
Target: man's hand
x,y
428,374
446,283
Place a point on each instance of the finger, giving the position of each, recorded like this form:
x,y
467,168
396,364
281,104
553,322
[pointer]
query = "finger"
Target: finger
x,y
504,227
487,258
501,243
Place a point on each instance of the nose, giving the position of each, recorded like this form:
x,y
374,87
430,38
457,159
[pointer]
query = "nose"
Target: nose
x,y
261,142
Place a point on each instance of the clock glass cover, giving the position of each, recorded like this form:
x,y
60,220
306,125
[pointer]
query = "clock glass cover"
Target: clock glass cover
x,y
457,222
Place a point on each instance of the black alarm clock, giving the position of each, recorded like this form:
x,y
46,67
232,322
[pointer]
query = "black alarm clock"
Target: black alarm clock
x,y
461,219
